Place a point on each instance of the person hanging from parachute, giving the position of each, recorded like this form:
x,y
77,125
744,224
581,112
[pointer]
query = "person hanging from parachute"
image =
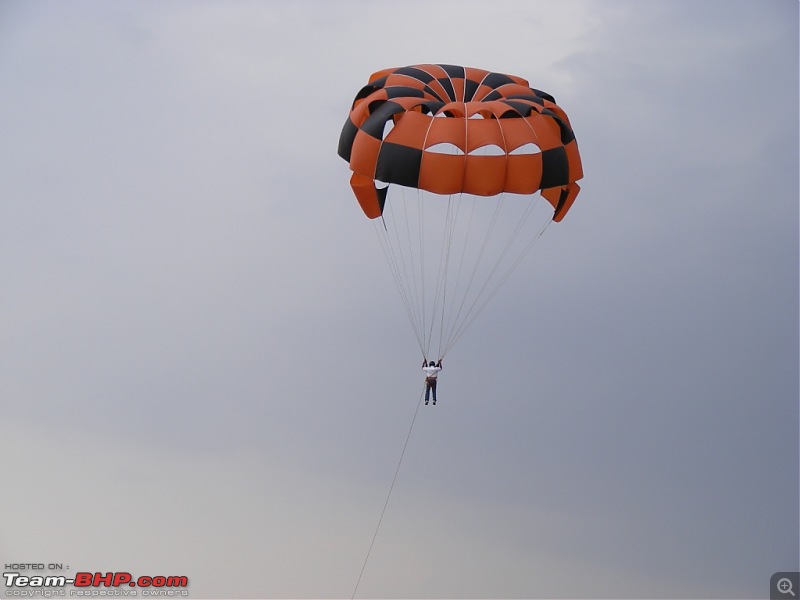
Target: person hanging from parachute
x,y
431,372
466,152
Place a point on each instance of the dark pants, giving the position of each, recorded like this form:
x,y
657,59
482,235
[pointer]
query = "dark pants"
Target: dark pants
x,y
430,384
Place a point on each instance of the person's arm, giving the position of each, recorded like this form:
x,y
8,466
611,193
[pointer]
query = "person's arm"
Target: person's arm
x,y
439,364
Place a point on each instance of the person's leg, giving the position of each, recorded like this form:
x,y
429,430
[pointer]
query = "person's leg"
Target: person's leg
x,y
433,386
427,391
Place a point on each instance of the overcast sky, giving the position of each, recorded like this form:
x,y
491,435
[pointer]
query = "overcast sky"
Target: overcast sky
x,y
205,369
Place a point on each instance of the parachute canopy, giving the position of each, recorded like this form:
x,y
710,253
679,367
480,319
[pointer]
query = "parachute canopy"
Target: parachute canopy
x,y
449,130
467,151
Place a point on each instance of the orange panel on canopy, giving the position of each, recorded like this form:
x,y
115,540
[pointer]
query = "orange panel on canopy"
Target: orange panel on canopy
x,y
441,173
410,129
523,173
365,155
366,194
485,175
483,132
516,132
450,131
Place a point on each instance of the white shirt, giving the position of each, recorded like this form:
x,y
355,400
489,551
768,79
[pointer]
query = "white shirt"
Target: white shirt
x,y
431,371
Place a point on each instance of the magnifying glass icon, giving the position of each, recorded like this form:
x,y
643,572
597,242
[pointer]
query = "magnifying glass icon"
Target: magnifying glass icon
x,y
784,586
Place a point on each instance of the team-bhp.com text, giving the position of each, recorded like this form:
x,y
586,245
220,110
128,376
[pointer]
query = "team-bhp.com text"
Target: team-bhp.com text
x,y
93,584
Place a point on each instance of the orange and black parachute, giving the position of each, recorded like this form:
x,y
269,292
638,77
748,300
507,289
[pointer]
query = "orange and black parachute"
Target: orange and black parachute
x,y
501,136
